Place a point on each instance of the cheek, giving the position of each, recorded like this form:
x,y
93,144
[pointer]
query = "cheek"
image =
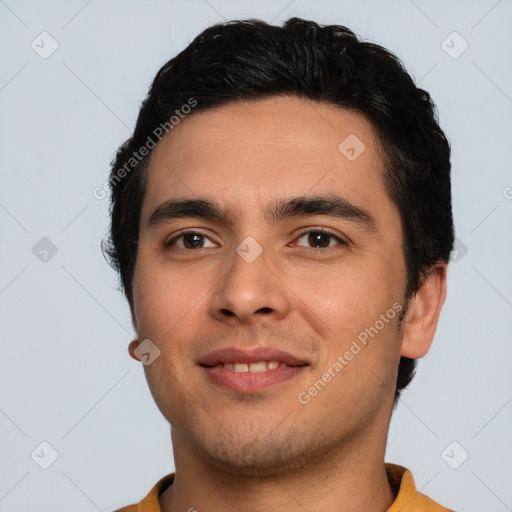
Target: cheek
x,y
344,297
162,299
165,305
344,304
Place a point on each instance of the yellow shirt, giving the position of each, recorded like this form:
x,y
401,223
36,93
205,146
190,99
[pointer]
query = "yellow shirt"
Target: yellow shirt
x,y
408,498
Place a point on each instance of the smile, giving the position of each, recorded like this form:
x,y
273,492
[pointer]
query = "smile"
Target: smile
x,y
251,370
258,367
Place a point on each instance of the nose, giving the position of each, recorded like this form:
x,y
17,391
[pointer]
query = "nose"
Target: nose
x,y
249,291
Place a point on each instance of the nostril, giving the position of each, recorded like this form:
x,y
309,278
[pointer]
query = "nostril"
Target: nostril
x,y
227,312
265,310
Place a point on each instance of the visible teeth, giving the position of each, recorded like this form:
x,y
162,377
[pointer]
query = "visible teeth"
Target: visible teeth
x,y
260,366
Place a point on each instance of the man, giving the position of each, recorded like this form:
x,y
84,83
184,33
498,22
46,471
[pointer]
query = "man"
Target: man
x,y
281,222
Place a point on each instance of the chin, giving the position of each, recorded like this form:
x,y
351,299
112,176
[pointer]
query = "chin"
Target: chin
x,y
256,465
269,456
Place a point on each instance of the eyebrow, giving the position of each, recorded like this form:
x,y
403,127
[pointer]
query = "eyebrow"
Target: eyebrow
x,y
303,206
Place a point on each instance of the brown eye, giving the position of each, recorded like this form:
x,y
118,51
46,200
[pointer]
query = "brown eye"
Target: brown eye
x,y
193,241
319,239
190,240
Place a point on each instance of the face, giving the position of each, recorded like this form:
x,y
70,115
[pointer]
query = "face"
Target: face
x,y
268,243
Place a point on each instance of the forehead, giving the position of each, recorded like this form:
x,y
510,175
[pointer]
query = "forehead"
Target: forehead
x,y
246,152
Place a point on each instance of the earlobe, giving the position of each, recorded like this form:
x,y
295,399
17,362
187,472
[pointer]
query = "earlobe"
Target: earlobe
x,y
422,316
131,349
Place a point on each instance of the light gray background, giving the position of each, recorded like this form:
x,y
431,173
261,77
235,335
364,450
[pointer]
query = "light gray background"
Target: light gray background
x,y
66,377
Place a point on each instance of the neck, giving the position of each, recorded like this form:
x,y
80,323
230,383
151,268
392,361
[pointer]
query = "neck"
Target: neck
x,y
350,479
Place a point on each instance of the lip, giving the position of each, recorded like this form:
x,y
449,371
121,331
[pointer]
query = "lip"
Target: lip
x,y
248,382
250,355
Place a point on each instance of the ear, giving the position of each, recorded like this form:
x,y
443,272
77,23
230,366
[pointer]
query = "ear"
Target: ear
x,y
131,349
422,316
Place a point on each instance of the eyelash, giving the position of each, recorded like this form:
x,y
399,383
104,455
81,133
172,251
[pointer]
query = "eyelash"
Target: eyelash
x,y
171,242
324,232
306,231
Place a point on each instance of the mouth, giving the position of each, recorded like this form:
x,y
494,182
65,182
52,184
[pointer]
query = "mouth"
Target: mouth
x,y
258,367
250,371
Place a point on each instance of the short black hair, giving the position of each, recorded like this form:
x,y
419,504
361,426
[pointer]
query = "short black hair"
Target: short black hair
x,y
251,59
